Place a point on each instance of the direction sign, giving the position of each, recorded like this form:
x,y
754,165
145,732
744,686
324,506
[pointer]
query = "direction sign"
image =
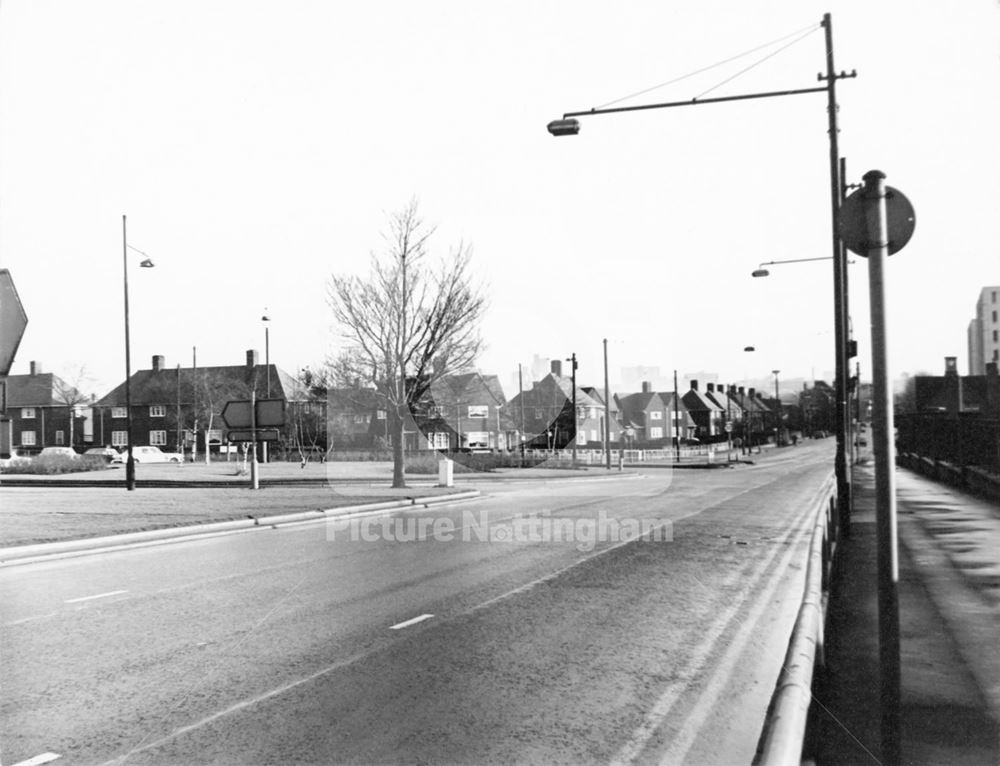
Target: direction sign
x,y
13,320
263,435
270,413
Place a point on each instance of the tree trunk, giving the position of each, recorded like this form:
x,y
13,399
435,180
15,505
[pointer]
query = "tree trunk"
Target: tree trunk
x,y
398,460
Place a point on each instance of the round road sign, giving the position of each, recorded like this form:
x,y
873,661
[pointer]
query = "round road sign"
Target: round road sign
x,y
900,221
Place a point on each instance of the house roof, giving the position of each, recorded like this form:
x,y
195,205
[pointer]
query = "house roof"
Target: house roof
x,y
160,386
697,400
44,389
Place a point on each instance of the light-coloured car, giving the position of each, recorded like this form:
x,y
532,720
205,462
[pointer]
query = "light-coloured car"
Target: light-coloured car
x,y
109,454
153,455
51,452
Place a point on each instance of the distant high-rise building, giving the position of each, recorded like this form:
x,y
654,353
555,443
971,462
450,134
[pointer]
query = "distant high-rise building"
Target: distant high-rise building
x,y
984,331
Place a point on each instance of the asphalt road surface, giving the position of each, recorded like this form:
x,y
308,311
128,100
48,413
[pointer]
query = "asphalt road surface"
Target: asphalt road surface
x,y
504,630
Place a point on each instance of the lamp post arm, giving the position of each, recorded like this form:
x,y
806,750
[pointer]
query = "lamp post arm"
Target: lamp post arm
x,y
696,102
797,260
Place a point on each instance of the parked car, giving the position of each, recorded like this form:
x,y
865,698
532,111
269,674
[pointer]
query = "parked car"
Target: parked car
x,y
108,454
50,452
154,455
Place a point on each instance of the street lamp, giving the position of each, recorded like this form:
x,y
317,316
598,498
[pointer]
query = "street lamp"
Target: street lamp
x,y
762,272
267,369
568,125
146,263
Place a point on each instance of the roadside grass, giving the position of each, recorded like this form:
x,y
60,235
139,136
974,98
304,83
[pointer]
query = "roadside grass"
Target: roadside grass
x,y
49,514
54,464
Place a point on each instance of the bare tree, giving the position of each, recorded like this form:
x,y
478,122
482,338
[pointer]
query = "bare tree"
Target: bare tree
x,y
67,390
407,323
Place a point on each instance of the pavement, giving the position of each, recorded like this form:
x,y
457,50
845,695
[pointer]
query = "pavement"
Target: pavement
x,y
949,604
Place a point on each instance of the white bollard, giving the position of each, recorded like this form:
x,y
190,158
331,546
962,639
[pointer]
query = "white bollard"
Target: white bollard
x,y
446,472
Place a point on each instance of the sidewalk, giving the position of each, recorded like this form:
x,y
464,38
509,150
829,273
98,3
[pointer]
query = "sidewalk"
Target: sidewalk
x,y
949,628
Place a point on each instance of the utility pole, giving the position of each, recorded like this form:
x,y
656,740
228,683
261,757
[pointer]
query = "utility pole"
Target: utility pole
x,y
576,424
839,284
520,399
607,410
677,422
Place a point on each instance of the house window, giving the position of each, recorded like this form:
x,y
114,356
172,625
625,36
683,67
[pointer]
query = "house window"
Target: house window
x,y
435,411
656,415
360,419
994,316
215,436
581,437
380,414
157,438
593,412
656,432
538,413
593,434
60,438
439,440
996,355
477,440
479,410
995,333
27,413
27,438
118,412
157,411
119,438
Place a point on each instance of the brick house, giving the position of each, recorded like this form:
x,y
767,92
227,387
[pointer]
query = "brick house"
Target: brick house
x,y
171,405
39,407
652,419
466,411
706,414
546,410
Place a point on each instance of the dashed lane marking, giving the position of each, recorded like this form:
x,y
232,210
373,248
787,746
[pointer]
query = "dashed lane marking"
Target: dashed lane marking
x,y
91,598
414,621
38,760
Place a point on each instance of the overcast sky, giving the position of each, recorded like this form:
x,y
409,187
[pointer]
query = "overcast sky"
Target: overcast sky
x,y
256,148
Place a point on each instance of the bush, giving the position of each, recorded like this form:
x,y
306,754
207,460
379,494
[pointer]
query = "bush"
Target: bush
x,y
54,465
478,462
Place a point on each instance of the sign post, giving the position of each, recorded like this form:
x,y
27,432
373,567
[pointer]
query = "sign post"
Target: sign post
x,y
877,221
254,420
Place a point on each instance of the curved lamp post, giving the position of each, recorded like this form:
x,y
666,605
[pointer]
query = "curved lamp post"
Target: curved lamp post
x,y
569,125
147,263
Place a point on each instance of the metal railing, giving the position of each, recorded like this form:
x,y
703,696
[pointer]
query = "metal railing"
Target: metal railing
x,y
785,729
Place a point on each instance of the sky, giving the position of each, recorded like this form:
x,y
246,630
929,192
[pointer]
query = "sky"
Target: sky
x,y
257,148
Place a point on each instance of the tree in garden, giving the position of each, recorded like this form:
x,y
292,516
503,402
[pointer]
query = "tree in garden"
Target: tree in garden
x,y
407,322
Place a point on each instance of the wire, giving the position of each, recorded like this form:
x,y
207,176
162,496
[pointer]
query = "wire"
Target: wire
x,y
805,31
757,63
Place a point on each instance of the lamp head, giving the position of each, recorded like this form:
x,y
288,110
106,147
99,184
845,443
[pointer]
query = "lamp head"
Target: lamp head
x,y
760,273
265,318
749,348
146,264
564,127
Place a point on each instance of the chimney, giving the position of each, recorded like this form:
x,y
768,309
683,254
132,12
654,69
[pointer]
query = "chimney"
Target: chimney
x,y
752,393
36,368
556,367
647,387
741,391
694,385
952,387
159,362
251,358
710,387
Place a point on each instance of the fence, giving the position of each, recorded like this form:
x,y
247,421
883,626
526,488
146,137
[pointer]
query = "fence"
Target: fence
x,y
785,730
966,440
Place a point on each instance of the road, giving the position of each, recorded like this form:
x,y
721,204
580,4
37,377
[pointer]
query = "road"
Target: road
x,y
285,646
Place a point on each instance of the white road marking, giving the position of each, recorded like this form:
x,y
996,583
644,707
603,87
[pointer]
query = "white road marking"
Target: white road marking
x,y
39,759
414,621
91,598
31,619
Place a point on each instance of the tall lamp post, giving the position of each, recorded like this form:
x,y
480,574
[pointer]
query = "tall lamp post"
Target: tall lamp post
x,y
569,125
146,264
